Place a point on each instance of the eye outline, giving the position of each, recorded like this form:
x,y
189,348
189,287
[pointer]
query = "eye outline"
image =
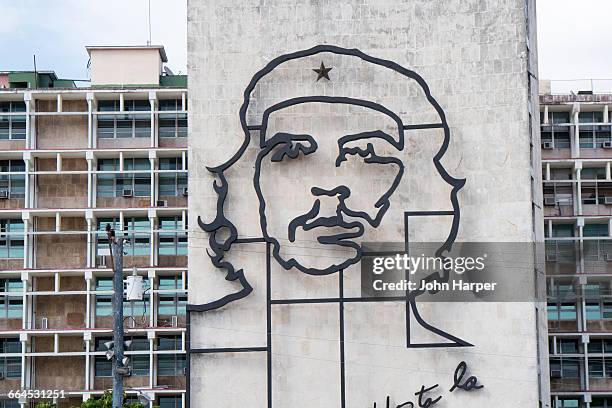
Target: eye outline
x,y
368,153
289,145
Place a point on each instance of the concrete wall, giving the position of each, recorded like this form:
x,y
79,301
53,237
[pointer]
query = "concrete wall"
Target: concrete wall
x,y
69,252
62,191
61,132
125,67
473,56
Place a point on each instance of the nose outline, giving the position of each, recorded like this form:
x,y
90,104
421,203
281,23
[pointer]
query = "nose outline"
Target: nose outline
x,y
342,192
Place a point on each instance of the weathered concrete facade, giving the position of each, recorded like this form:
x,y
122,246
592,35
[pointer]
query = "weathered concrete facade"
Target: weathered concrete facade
x,y
474,58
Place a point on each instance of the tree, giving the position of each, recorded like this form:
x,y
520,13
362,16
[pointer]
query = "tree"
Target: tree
x,y
105,401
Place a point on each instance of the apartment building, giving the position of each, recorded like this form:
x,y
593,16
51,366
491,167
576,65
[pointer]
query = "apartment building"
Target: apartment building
x,y
73,159
577,184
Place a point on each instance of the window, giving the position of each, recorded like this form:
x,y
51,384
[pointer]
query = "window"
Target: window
x,y
9,404
11,238
555,132
172,183
113,184
12,125
104,303
600,367
561,312
11,301
172,123
13,184
562,230
171,304
592,135
170,365
10,367
568,403
139,364
601,402
169,343
593,311
103,367
172,236
600,346
595,230
565,367
567,346
169,402
593,173
136,230
10,345
124,125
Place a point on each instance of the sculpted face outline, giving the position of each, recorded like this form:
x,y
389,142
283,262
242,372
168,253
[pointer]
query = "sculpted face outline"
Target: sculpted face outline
x,y
223,233
283,148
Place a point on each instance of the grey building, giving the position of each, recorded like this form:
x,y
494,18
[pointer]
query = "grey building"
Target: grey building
x,y
276,91
576,155
73,159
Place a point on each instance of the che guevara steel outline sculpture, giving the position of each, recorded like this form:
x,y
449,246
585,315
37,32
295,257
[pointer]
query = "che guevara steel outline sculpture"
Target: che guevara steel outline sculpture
x,y
292,147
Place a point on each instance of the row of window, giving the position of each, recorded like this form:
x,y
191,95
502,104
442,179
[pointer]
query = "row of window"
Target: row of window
x,y
569,367
573,346
133,125
113,185
568,230
108,185
168,365
172,237
556,118
137,230
567,311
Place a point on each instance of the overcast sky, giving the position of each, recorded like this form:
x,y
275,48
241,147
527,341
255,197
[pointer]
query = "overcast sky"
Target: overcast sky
x,y
57,31
574,36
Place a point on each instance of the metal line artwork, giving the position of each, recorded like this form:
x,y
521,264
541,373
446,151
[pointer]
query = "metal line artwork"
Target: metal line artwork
x,y
281,147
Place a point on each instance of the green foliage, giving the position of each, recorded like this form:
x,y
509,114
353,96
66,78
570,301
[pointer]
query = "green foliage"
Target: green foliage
x,y
105,401
45,405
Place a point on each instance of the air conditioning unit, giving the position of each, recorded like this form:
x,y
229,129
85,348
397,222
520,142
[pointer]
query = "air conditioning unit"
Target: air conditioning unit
x,y
185,192
4,194
608,257
1,376
551,257
127,192
161,203
608,200
174,321
547,145
550,201
101,261
44,323
184,370
607,144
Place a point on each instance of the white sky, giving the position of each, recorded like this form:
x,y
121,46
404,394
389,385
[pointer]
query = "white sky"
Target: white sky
x,y
57,31
575,39
574,36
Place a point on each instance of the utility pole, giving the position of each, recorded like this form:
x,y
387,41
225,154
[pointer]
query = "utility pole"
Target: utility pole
x,y
116,253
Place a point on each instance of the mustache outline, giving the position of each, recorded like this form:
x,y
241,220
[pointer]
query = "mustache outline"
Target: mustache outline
x,y
330,222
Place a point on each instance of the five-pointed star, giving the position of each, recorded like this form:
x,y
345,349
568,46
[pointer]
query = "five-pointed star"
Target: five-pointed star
x,y
322,72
